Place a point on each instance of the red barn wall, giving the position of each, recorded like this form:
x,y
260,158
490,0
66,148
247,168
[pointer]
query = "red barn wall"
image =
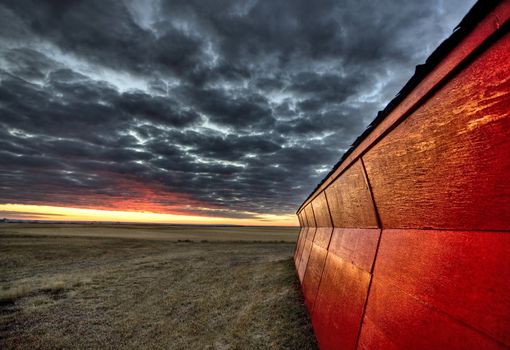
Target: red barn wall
x,y
407,244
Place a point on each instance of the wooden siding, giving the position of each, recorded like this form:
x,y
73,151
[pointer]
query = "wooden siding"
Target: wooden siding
x,y
406,244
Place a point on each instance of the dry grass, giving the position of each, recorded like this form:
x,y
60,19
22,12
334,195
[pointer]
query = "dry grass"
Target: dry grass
x,y
157,232
80,292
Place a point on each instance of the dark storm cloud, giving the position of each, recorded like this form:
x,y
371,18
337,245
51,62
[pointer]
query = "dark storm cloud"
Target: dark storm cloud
x,y
239,106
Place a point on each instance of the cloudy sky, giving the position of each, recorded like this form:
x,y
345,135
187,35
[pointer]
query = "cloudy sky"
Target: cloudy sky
x,y
227,109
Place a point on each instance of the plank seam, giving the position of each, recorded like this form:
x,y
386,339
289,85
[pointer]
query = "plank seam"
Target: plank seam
x,y
376,249
367,182
297,242
330,218
327,253
320,281
446,314
314,220
306,267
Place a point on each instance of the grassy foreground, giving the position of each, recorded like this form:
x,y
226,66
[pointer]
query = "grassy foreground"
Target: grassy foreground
x,y
88,292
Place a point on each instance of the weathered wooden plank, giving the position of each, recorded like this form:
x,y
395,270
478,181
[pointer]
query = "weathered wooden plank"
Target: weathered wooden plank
x,y
304,218
311,233
350,201
338,310
396,320
447,166
313,275
310,218
372,337
323,236
307,247
300,218
302,236
473,40
301,245
321,211
356,246
305,234
463,274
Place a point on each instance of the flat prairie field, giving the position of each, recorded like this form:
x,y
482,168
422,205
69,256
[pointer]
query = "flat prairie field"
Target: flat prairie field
x,y
158,287
157,232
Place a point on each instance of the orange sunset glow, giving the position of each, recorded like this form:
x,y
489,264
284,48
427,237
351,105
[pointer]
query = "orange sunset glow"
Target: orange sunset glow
x,y
251,174
136,111
54,213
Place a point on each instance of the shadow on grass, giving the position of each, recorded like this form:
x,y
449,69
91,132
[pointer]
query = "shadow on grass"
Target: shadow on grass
x,y
295,311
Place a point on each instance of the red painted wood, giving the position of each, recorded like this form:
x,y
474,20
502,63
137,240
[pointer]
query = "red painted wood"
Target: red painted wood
x,y
356,246
447,166
350,201
397,320
339,304
443,166
321,211
463,274
313,275
323,236
490,24
372,337
307,247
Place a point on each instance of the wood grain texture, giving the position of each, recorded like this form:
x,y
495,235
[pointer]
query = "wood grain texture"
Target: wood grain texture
x,y
439,170
300,234
321,211
339,304
323,236
356,246
310,218
311,234
313,275
462,274
447,166
396,320
304,218
301,246
350,201
297,252
307,248
300,218
306,232
473,40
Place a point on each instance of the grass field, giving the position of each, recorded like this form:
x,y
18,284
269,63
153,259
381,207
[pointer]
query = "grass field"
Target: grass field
x,y
61,286
157,232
